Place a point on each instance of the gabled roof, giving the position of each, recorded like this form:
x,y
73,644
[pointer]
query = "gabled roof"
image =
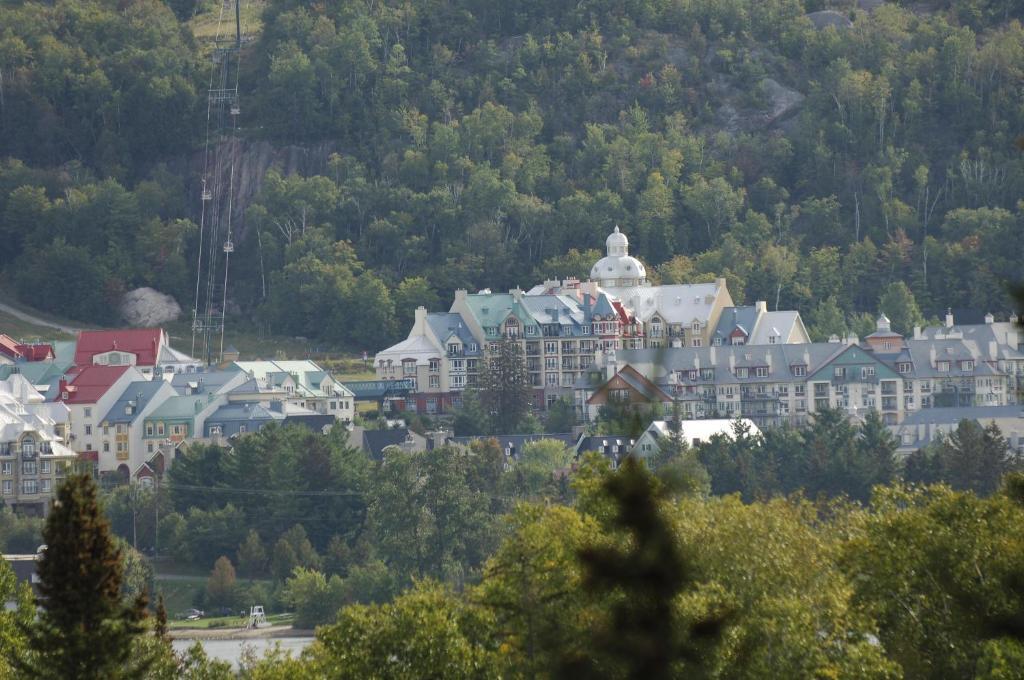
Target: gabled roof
x,y
25,352
949,415
778,323
144,343
202,381
638,382
417,348
446,324
92,382
245,412
137,395
180,408
375,441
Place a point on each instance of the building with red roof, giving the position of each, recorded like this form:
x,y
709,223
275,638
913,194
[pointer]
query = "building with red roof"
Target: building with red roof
x,y
18,351
147,349
89,395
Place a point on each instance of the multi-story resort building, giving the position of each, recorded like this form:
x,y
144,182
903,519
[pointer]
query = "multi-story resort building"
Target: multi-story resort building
x,y
617,337
562,328
779,383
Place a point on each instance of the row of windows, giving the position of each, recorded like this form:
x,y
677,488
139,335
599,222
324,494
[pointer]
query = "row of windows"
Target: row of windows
x,y
28,486
31,467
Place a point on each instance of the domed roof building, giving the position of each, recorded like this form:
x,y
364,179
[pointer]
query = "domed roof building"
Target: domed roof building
x,y
618,269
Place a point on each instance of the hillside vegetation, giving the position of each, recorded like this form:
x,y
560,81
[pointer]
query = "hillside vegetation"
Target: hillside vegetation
x,y
819,155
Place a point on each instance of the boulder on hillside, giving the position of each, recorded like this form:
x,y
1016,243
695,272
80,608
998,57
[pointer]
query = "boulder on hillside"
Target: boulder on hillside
x,y
146,307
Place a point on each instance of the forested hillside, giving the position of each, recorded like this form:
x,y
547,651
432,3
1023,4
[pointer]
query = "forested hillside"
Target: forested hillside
x,y
817,153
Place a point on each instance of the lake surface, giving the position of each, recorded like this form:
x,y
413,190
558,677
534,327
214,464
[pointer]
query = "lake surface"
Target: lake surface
x,y
231,650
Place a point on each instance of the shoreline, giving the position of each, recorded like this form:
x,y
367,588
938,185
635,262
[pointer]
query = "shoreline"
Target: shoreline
x,y
269,632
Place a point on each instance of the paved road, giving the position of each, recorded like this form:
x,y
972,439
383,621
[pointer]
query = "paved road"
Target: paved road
x,y
18,314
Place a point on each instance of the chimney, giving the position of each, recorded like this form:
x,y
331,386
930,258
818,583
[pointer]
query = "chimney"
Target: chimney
x,y
918,335
732,362
1012,339
993,350
611,364
460,295
768,360
517,294
711,355
419,324
760,307
931,356
807,359
949,318
989,319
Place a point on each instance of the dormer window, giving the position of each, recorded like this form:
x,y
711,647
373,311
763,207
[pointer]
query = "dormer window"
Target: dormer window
x,y
453,348
696,327
904,367
799,370
967,365
942,366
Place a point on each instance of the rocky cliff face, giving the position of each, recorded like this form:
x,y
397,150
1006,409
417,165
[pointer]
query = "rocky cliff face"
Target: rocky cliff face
x,y
251,160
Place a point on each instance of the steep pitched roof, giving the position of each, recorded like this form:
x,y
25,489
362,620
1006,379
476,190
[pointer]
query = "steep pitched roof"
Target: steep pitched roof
x,y
136,395
92,382
25,352
144,343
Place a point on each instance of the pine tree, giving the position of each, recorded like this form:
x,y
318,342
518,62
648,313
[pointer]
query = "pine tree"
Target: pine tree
x,y
505,387
85,629
252,556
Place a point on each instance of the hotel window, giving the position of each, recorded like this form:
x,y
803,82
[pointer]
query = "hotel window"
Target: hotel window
x,y
903,367
160,429
8,468
28,467
149,429
122,428
551,379
762,371
8,487
408,368
88,412
696,327
435,381
453,348
839,371
435,365
44,467
696,342
772,339
799,370
967,365
942,366
88,430
45,486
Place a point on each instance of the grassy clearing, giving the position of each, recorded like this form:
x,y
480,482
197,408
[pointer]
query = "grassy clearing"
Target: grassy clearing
x,y
204,24
179,593
23,330
228,622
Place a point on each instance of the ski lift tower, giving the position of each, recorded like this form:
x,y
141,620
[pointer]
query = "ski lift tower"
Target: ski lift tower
x,y
215,233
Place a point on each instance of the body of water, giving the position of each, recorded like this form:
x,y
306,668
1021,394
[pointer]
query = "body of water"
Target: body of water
x,y
231,650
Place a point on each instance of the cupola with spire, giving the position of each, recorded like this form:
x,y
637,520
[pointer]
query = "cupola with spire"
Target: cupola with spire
x,y
617,269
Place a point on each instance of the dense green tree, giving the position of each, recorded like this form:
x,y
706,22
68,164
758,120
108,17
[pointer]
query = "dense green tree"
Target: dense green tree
x,y
898,303
85,628
252,556
221,590
505,391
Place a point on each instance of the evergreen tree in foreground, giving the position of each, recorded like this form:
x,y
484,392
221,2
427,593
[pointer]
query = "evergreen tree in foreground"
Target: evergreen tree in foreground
x,y
85,629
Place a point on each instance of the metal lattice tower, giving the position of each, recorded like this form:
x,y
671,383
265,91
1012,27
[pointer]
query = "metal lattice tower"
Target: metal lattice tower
x,y
215,233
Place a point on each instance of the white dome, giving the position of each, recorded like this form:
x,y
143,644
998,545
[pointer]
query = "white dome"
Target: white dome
x,y
616,241
615,268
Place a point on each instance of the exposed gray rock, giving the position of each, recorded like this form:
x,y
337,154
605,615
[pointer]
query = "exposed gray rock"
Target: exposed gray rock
x,y
146,307
780,102
829,17
869,5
